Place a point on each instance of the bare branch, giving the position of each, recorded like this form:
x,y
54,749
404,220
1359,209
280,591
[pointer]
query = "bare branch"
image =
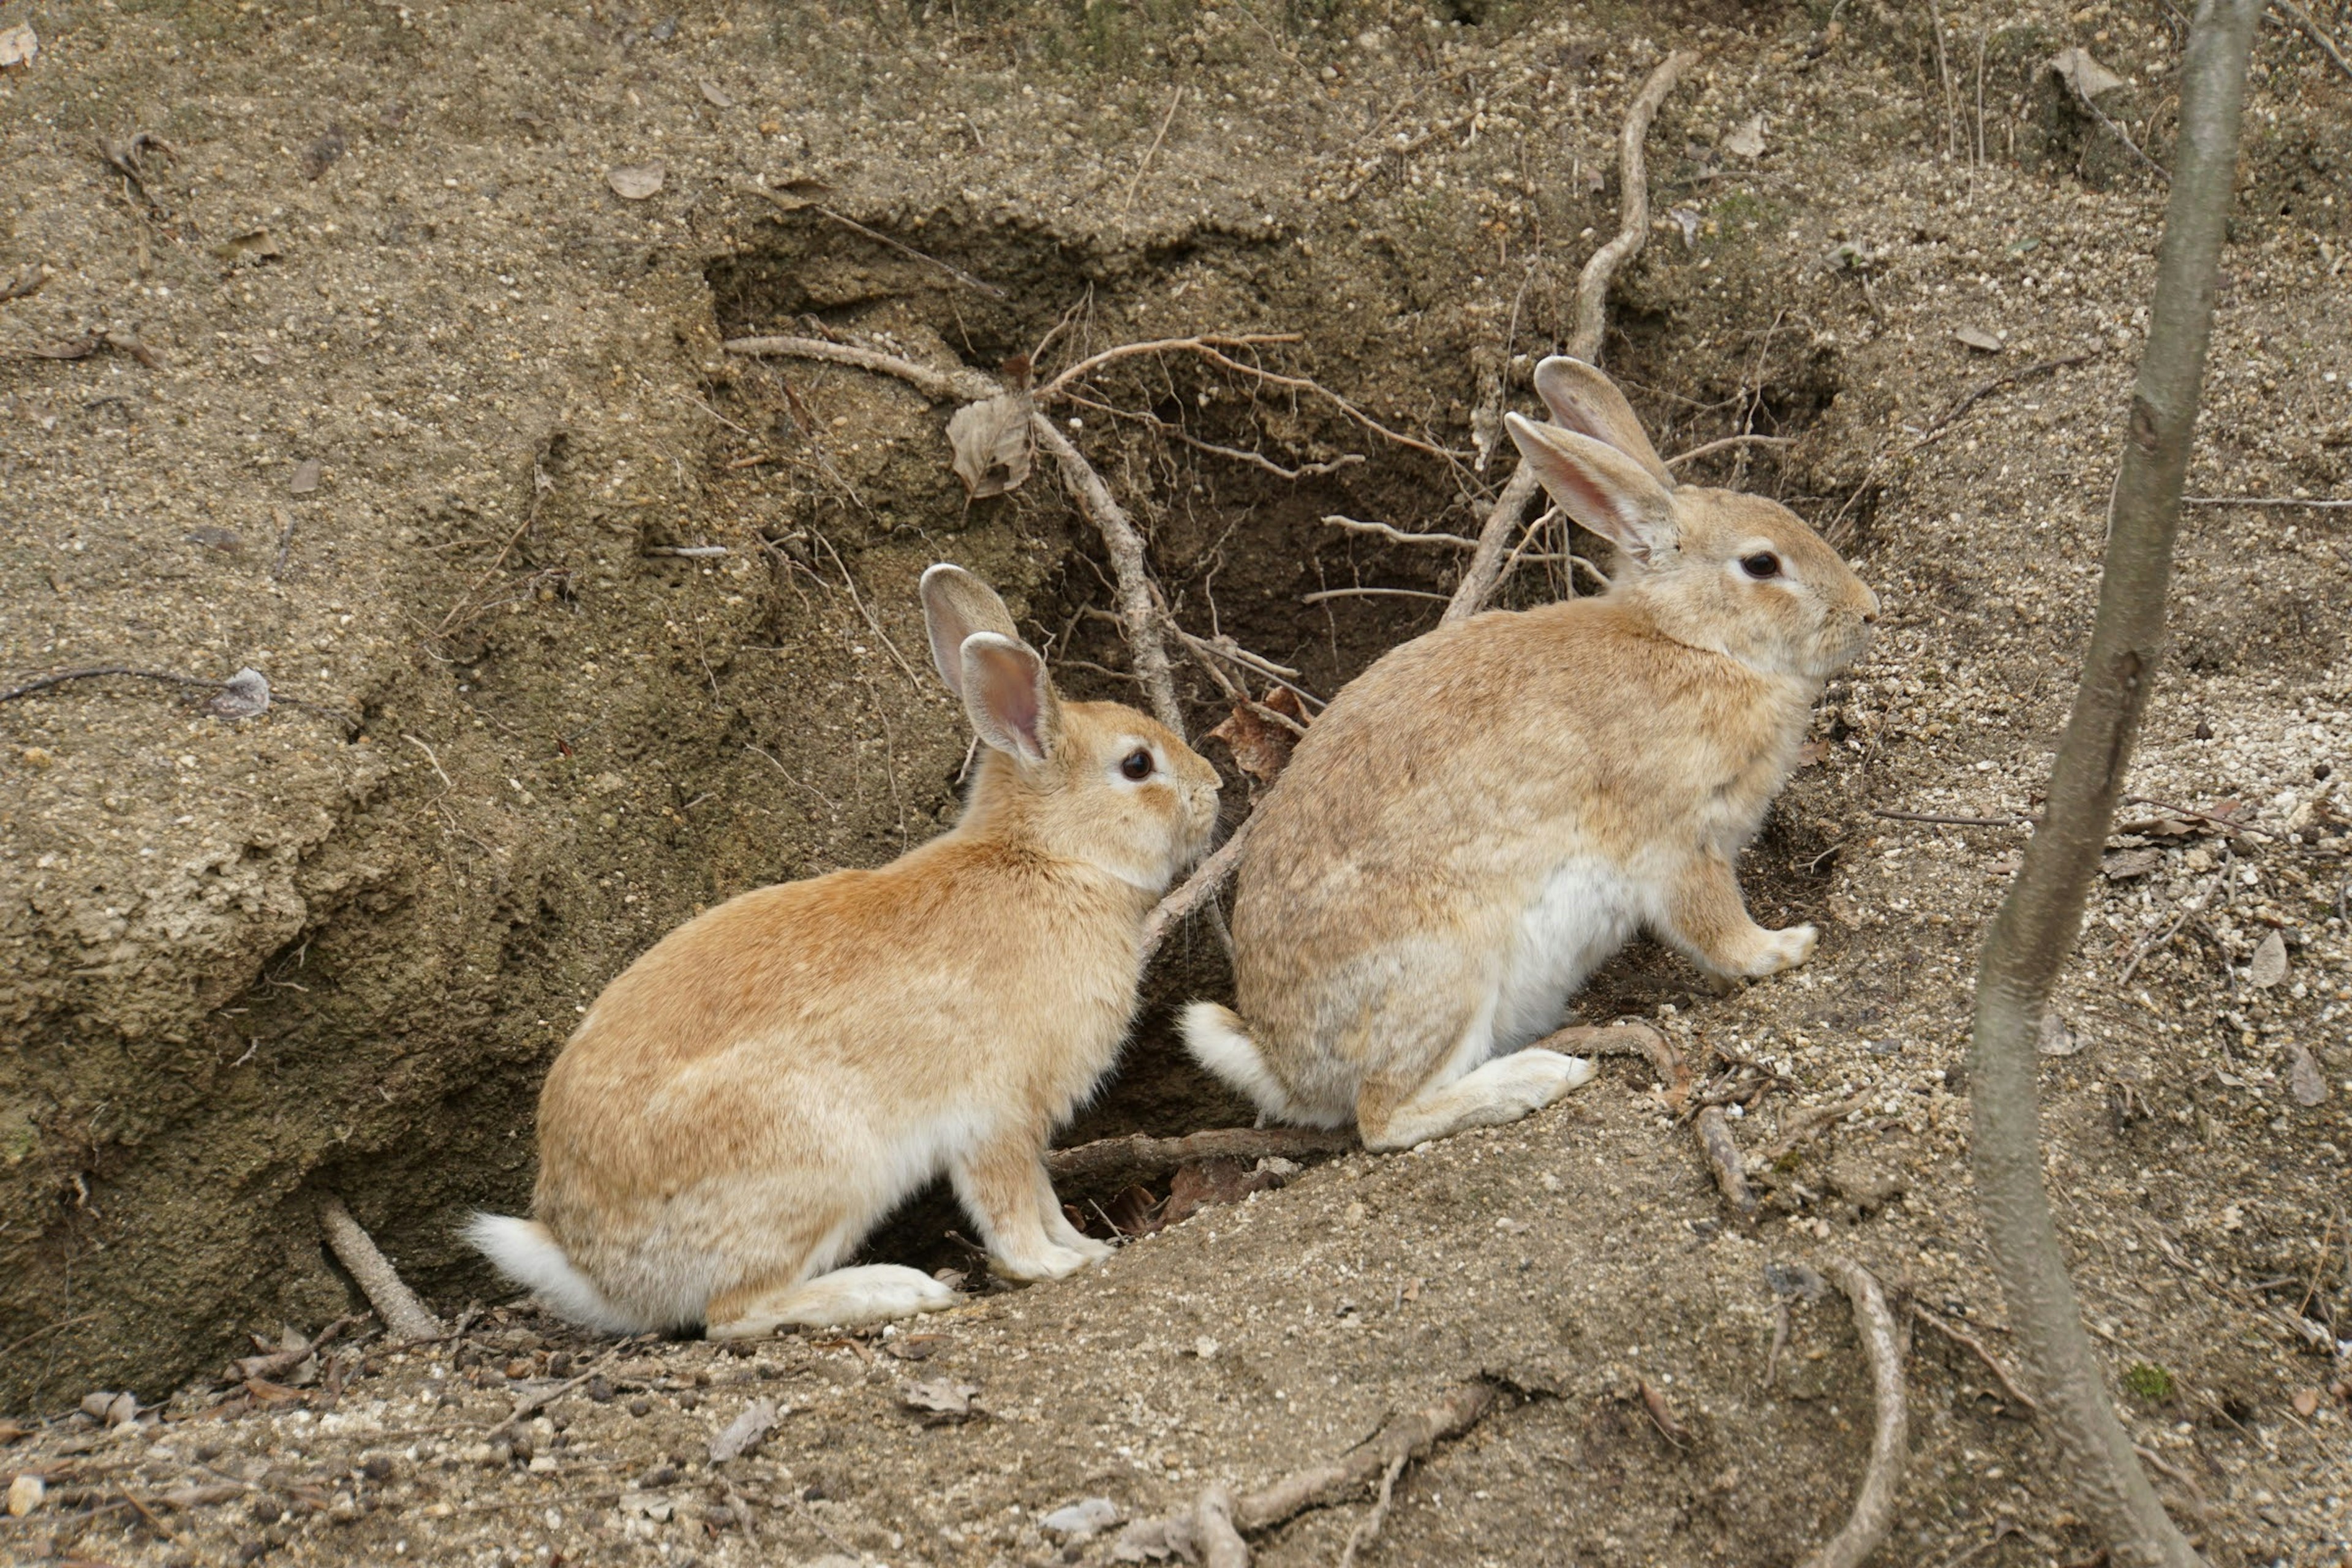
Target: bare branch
x,y
1478,578
1723,1158
1325,594
405,1317
1874,1505
1140,1154
1137,612
1205,343
2042,916
957,386
2311,29
1726,444
1398,535
1193,891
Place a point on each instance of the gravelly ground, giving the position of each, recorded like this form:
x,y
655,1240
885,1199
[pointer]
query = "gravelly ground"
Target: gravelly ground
x,y
457,284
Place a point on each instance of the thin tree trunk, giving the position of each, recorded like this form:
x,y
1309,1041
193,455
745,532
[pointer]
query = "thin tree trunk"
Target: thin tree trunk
x,y
2041,917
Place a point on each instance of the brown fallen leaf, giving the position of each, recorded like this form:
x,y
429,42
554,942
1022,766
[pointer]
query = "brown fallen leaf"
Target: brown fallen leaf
x,y
1207,1183
991,442
1135,1212
265,1392
2084,74
715,94
2306,1403
1661,1413
201,1497
11,1432
1977,338
635,182
1260,749
915,1347
24,282
2303,1078
2125,865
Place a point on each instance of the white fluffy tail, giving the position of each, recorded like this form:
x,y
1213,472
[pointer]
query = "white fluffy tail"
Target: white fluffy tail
x,y
1219,1041
526,1252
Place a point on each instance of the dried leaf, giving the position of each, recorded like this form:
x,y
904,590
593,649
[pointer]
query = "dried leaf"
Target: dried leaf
x,y
1260,749
714,95
96,1405
1089,1517
915,1347
741,1434
204,1496
2084,74
2058,1038
11,1432
635,182
1206,1183
1687,221
2303,1078
1977,338
940,1400
1747,141
244,695
2269,966
306,476
2128,864
1135,1212
1810,754
2306,1401
18,46
991,439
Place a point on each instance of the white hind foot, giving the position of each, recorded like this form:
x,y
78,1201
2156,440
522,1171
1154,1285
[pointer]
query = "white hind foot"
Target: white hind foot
x,y
1781,949
1058,1228
1503,1090
846,1298
1049,1262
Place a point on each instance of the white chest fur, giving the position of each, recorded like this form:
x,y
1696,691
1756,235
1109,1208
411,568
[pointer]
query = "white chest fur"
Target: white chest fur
x,y
1582,912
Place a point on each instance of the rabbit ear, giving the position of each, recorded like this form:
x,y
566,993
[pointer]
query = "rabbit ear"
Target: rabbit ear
x,y
1008,698
1601,488
1584,400
956,605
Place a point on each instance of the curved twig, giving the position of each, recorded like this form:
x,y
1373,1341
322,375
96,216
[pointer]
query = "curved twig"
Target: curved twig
x,y
1874,1505
940,385
1134,581
1478,578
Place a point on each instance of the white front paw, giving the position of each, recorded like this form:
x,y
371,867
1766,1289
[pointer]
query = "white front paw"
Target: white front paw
x,y
1782,949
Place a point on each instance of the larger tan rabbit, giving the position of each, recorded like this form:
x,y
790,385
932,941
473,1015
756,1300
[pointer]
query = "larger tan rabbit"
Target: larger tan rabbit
x,y
1488,813
742,1105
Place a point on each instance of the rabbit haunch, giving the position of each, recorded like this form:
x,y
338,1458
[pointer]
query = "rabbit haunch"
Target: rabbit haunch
x,y
1489,812
753,1095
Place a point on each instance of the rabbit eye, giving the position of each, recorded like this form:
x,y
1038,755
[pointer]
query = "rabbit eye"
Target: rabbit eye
x,y
1760,565
1136,763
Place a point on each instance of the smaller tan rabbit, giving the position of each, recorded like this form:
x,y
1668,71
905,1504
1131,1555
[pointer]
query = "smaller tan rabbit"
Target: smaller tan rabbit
x,y
1487,814
743,1104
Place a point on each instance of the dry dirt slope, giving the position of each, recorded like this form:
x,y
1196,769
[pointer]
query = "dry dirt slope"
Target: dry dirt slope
x,y
251,961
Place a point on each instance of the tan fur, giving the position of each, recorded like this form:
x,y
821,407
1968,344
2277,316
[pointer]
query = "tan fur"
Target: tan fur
x,y
751,1095
1452,805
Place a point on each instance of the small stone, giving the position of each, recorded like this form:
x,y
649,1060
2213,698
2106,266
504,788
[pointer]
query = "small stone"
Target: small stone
x,y
2058,1037
2204,731
1863,1182
2269,966
1080,1520
25,1495
1977,338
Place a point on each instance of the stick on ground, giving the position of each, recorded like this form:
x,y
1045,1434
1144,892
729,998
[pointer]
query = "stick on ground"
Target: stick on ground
x,y
1486,566
1874,1505
405,1317
1141,1154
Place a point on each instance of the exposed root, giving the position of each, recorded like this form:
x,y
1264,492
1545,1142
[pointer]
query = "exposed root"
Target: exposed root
x,y
1193,891
1478,578
1204,343
1803,1124
1137,614
405,1317
1874,1505
1368,1529
1724,1158
1969,1343
1212,1530
1126,1159
940,385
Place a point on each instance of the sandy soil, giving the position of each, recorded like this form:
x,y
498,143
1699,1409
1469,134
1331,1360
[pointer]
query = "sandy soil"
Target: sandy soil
x,y
255,960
